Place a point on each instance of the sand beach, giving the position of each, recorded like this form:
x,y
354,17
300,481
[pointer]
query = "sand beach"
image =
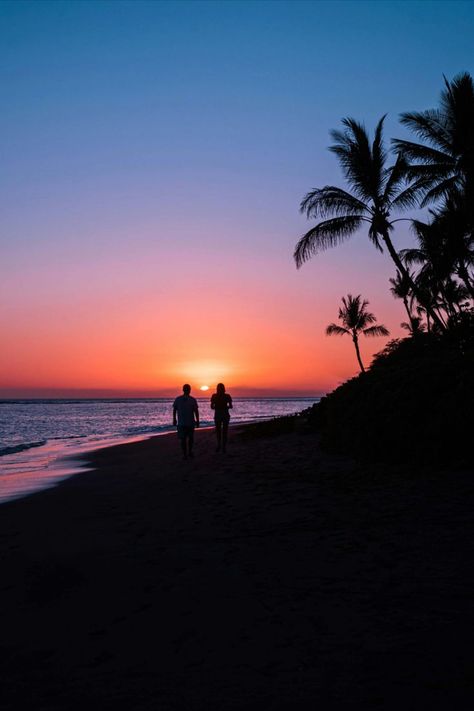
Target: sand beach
x,y
275,577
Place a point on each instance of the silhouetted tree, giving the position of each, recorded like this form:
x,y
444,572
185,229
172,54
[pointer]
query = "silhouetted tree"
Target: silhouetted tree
x,y
441,169
376,191
355,320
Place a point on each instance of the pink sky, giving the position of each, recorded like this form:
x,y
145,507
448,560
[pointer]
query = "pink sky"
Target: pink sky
x,y
144,320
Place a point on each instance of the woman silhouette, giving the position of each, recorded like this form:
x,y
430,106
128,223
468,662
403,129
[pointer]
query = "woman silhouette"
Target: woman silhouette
x,y
221,403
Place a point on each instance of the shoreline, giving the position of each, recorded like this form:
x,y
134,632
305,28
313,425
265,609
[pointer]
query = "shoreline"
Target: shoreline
x,y
276,576
46,470
41,438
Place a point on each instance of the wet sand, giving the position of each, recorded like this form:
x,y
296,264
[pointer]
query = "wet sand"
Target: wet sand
x,y
274,577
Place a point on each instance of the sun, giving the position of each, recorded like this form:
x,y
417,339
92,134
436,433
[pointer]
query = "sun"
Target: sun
x,y
204,387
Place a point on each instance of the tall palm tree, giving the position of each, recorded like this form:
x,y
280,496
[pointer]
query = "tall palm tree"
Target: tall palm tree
x,y
355,320
376,191
443,164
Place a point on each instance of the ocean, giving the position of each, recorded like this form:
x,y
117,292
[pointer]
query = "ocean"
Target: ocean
x,y
39,438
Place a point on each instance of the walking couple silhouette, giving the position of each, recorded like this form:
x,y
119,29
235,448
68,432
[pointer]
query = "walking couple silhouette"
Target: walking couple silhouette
x,y
186,418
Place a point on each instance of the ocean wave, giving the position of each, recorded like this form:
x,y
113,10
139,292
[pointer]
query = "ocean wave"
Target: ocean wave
x,y
70,437
21,447
146,429
155,429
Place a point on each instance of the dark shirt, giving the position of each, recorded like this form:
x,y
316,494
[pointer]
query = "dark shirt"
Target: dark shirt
x,y
221,402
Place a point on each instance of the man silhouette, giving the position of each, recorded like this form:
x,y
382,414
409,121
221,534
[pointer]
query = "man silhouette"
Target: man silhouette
x,y
186,416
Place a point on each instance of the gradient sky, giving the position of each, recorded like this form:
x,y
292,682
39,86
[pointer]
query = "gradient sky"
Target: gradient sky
x,y
153,159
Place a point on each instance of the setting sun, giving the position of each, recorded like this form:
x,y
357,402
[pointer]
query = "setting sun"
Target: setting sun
x,y
204,387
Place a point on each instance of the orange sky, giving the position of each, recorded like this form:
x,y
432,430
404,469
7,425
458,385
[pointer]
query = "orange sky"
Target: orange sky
x,y
147,324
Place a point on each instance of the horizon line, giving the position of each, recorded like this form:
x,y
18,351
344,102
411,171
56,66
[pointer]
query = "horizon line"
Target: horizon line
x,y
119,394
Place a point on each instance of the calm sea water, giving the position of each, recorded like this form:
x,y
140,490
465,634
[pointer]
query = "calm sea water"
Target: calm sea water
x,y
36,435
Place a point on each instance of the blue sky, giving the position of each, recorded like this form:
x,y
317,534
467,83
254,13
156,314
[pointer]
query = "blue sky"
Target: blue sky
x,y
201,105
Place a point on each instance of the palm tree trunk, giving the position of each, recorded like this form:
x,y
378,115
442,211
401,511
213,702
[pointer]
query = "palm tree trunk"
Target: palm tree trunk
x,y
403,271
464,276
448,303
356,345
437,311
409,313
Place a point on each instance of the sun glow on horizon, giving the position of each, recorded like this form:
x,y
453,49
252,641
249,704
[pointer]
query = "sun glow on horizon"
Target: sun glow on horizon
x,y
203,371
204,387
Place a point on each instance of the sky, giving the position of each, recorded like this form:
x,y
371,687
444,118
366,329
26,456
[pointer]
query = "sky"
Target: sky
x,y
153,157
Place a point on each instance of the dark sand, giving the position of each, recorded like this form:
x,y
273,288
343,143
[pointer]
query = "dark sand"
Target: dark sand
x,y
276,577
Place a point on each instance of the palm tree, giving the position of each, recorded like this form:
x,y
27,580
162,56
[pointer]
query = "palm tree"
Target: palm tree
x,y
443,164
356,319
376,191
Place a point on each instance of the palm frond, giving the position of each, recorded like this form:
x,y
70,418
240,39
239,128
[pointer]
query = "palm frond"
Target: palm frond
x,y
419,152
365,317
409,197
394,177
412,256
376,331
325,235
331,200
334,330
430,173
379,156
353,150
374,236
420,230
457,103
430,126
442,190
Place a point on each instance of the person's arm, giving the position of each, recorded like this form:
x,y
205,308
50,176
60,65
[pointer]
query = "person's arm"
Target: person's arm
x,y
174,415
229,402
196,413
213,402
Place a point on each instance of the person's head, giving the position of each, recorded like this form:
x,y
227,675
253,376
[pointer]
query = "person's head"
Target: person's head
x,y
186,389
220,388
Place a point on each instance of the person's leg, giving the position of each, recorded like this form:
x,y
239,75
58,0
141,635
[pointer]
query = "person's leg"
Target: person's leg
x,y
225,427
218,434
182,441
191,442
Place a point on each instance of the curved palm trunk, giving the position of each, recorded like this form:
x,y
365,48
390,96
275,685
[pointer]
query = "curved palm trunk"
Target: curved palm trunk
x,y
403,271
356,346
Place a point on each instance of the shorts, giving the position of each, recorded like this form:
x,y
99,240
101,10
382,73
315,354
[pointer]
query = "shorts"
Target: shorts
x,y
185,431
222,418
